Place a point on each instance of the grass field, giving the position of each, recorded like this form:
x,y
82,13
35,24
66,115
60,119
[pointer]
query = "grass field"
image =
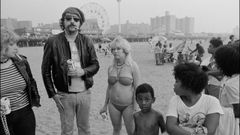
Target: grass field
x,y
160,77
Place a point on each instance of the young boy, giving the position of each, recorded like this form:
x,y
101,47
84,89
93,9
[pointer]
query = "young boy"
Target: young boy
x,y
190,112
147,121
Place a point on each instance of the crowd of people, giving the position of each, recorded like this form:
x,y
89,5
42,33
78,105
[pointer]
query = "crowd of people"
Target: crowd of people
x,y
206,100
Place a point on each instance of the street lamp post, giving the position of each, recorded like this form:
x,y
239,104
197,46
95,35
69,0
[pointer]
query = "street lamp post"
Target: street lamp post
x,y
119,18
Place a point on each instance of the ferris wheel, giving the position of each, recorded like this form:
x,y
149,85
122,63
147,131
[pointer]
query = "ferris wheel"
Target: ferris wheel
x,y
95,11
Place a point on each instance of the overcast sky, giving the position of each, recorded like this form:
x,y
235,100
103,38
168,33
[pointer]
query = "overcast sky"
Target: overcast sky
x,y
210,15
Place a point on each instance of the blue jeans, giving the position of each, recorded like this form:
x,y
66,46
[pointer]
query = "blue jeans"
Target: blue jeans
x,y
75,104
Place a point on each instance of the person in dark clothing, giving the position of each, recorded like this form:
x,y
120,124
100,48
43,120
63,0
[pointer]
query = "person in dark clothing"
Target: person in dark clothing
x,y
69,63
200,51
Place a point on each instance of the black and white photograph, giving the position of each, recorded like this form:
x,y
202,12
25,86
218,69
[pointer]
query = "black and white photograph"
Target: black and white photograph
x,y
119,67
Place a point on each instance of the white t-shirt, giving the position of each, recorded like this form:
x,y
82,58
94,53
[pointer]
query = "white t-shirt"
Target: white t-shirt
x,y
193,117
77,84
229,94
230,91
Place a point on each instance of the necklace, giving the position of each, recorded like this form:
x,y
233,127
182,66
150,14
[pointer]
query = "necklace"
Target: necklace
x,y
120,66
4,61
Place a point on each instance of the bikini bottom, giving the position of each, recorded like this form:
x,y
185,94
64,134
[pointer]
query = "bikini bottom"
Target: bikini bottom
x,y
120,108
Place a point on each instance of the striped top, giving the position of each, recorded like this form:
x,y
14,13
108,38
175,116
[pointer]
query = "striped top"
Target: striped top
x,y
13,86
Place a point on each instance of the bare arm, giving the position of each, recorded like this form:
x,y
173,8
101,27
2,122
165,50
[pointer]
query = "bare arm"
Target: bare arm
x,y
107,96
214,72
211,123
104,109
161,123
136,81
173,128
194,51
134,119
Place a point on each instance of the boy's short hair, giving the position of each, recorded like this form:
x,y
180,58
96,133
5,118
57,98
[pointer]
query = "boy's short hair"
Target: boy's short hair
x,y
191,76
145,88
227,59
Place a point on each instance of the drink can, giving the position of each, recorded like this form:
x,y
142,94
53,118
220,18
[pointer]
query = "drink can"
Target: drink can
x,y
5,105
71,64
104,116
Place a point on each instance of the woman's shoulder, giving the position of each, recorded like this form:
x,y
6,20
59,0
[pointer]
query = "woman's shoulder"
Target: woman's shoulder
x,y
135,65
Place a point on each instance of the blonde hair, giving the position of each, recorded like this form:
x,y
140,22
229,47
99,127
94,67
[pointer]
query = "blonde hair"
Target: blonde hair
x,y
7,36
122,43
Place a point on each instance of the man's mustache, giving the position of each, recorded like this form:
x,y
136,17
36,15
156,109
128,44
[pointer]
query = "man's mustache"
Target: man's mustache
x,y
72,25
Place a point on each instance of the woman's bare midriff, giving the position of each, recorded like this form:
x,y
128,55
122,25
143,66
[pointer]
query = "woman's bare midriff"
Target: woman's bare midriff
x,y
121,95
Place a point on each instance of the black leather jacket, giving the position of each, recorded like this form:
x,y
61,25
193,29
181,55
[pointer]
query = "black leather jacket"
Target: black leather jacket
x,y
54,64
23,67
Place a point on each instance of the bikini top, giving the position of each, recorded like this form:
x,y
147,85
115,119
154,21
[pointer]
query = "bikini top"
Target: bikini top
x,y
122,74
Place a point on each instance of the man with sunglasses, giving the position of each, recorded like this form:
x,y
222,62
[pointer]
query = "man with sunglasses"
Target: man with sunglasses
x,y
69,63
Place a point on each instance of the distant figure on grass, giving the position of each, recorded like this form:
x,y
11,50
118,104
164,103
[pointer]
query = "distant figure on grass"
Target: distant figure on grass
x,y
123,79
180,58
190,112
210,67
200,51
158,53
164,53
170,53
68,66
147,121
227,60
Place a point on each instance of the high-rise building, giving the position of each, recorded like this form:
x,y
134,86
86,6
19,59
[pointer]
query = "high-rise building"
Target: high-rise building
x,y
10,23
24,24
131,29
170,24
185,25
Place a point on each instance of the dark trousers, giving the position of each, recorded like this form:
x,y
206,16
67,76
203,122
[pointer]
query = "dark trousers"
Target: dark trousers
x,y
21,122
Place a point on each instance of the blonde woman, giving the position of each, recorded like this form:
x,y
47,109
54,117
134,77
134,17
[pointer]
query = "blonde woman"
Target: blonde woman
x,y
17,85
123,79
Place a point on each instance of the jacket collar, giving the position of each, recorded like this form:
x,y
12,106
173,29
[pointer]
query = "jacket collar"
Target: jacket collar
x,y
78,37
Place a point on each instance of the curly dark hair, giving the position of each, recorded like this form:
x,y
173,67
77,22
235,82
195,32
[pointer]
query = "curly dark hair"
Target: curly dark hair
x,y
191,76
216,42
227,59
231,36
144,88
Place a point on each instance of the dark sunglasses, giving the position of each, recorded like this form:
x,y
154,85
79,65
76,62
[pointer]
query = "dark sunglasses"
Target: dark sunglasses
x,y
69,18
